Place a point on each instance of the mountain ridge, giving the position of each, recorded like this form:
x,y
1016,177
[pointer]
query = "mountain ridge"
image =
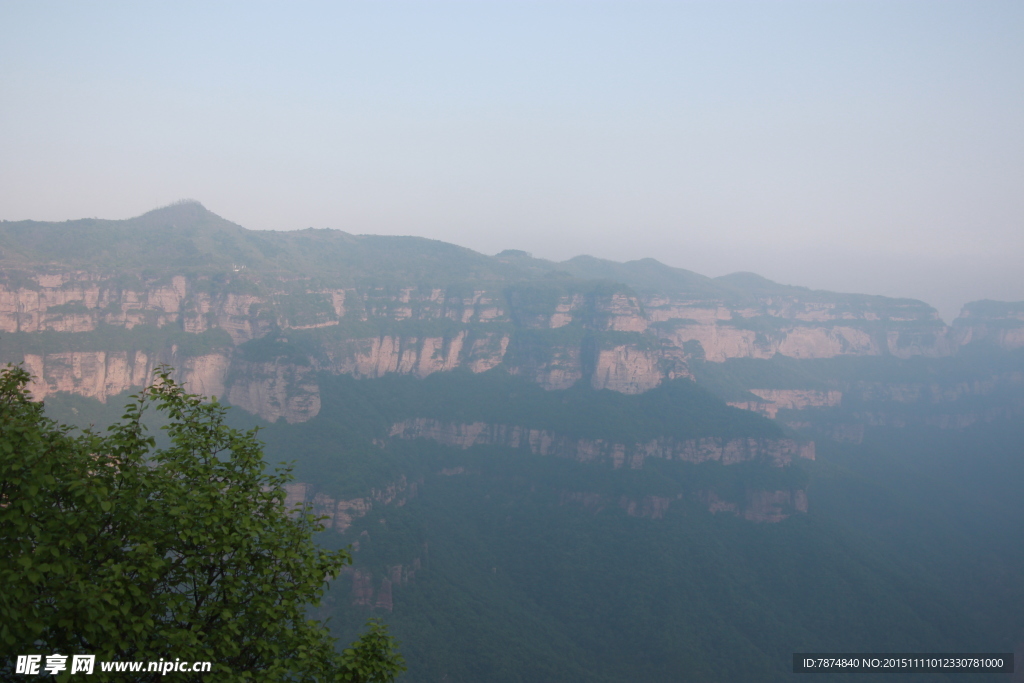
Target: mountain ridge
x,y
92,306
199,222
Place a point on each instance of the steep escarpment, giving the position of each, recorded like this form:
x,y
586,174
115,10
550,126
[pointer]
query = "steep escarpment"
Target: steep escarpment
x,y
401,429
338,514
273,390
842,397
93,306
996,323
801,323
101,374
757,505
771,401
365,331
777,452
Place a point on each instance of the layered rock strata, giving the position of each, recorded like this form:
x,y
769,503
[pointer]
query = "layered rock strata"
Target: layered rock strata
x,y
100,333
778,452
998,323
338,514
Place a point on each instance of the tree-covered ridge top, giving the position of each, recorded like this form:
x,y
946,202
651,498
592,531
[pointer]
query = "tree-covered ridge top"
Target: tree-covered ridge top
x,y
185,237
752,283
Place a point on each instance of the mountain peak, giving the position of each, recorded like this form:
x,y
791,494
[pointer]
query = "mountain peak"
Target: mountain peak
x,y
748,279
181,211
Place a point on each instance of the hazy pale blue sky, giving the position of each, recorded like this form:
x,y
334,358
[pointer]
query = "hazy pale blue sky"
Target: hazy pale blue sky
x,y
859,146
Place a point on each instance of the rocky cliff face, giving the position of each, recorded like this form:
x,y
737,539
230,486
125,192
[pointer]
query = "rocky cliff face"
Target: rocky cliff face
x,y
802,326
101,374
340,513
474,331
420,355
273,390
991,322
757,505
257,328
632,370
778,452
381,598
111,333
774,400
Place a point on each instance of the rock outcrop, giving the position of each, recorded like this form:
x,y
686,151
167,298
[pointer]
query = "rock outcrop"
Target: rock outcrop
x,y
339,514
101,374
627,369
759,505
778,452
801,329
991,322
273,390
775,400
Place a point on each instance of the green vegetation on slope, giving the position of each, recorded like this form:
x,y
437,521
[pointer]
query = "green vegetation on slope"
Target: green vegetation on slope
x,y
112,547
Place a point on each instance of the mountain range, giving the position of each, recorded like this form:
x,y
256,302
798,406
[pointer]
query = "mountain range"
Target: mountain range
x,y
583,470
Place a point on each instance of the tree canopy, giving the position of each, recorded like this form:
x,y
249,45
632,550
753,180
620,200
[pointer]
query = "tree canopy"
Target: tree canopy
x,y
115,547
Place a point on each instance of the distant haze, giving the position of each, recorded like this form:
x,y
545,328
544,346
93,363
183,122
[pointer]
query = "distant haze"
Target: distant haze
x,y
875,147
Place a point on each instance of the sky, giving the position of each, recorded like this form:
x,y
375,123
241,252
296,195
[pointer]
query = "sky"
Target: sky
x,y
863,146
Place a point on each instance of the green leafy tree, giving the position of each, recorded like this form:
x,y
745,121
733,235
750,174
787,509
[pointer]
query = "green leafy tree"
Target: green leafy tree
x,y
112,546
